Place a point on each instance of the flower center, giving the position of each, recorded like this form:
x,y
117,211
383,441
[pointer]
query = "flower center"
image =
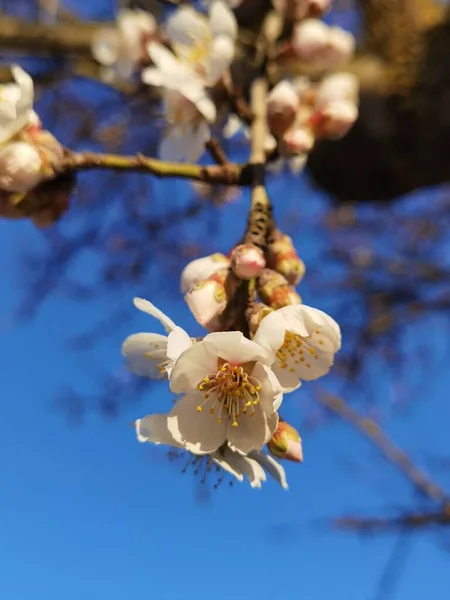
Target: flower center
x,y
234,391
295,351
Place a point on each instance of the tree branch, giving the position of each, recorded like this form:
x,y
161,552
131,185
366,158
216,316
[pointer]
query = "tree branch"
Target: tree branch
x,y
408,521
393,453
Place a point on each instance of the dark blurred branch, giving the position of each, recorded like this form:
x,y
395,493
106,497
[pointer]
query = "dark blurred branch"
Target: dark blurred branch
x,y
229,174
407,521
395,455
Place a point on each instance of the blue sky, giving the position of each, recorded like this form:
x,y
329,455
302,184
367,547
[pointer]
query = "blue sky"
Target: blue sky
x,y
87,512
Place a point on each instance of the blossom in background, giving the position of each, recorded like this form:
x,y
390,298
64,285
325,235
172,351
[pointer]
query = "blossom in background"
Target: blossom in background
x,y
321,46
202,268
304,340
230,394
336,105
154,429
16,104
300,9
122,48
203,49
20,167
152,354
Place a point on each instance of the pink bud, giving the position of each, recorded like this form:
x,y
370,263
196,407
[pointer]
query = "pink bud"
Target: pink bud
x,y
284,259
275,291
341,46
286,443
297,141
202,268
309,39
282,104
247,261
20,167
336,120
339,86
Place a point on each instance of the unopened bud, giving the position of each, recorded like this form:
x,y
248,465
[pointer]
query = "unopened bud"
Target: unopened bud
x,y
286,443
257,314
297,141
338,86
282,104
336,120
208,298
247,261
275,291
341,46
20,167
283,258
309,39
202,268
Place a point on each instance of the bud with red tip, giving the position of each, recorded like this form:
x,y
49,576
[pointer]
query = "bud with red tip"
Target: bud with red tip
x,y
275,291
282,105
247,261
286,443
284,259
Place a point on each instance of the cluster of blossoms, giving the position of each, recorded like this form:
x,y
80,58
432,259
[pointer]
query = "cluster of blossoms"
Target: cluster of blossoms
x,y
191,54
231,386
27,151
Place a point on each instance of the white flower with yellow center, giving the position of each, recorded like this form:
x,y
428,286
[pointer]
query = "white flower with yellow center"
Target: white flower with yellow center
x,y
154,429
152,354
202,51
121,48
16,104
230,394
304,340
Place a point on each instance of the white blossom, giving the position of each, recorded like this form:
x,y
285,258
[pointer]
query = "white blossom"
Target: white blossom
x,y
321,46
203,49
202,268
16,104
304,340
121,48
20,167
152,354
230,394
154,429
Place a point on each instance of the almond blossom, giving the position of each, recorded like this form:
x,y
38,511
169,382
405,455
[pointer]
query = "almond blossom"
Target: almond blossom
x,y
152,354
203,49
121,49
230,394
304,340
154,429
16,104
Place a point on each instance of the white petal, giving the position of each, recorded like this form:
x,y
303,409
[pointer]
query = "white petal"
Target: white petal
x,y
288,381
151,309
207,300
232,126
170,148
152,76
187,27
251,469
222,20
272,466
199,432
163,58
190,369
177,342
105,46
330,332
220,58
196,93
153,428
297,163
235,348
201,268
144,353
250,434
271,395
230,466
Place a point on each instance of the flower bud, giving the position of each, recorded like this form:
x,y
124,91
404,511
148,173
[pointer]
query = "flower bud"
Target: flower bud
x,y
297,141
339,86
20,167
341,46
309,39
257,314
283,258
247,261
282,104
202,268
286,443
336,120
208,298
275,291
